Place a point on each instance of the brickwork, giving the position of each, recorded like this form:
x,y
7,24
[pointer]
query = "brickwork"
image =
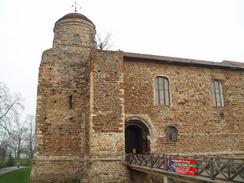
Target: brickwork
x,y
63,105
67,29
107,117
202,128
80,109
61,122
86,97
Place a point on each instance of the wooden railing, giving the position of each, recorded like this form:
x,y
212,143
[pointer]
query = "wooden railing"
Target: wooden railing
x,y
213,167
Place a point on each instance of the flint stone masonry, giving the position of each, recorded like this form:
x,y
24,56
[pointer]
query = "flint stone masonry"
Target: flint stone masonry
x,y
202,128
87,96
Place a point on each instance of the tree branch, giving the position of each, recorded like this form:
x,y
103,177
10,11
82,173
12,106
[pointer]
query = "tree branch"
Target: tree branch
x,y
6,112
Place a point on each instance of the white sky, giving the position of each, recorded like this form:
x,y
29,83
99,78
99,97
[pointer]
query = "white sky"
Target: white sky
x,y
199,29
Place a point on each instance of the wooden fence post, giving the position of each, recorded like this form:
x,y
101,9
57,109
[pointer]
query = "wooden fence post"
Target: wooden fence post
x,y
211,166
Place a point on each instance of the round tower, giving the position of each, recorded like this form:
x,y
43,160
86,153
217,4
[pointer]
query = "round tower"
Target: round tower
x,y
74,29
63,103
80,108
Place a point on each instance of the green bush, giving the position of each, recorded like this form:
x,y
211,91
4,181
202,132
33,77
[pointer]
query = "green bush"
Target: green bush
x,y
2,164
11,161
25,162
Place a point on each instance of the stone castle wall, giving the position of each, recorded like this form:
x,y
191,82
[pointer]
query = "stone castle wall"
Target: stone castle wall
x,y
107,118
202,128
85,140
75,33
86,96
62,114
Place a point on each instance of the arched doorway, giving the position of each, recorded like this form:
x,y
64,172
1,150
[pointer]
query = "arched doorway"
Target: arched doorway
x,y
136,140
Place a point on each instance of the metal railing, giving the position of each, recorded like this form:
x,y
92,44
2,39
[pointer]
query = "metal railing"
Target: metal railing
x,y
212,167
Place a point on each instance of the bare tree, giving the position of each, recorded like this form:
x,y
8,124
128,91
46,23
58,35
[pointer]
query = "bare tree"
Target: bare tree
x,y
18,136
30,122
103,42
20,139
4,146
9,107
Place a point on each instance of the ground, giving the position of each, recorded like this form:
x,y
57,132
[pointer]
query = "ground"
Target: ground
x,y
16,176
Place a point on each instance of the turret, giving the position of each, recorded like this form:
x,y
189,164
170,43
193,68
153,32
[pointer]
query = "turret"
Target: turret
x,y
74,29
63,103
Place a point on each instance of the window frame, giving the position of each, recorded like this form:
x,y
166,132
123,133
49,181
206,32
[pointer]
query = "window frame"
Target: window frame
x,y
170,132
156,91
217,91
76,39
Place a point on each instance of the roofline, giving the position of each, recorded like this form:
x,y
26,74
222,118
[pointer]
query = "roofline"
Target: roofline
x,y
178,61
72,17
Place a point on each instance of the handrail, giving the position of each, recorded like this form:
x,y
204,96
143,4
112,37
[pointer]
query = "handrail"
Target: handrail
x,y
213,167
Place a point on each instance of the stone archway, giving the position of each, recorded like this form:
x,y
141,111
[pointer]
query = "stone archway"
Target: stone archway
x,y
136,141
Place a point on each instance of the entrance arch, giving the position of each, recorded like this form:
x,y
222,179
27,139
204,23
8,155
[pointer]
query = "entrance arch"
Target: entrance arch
x,y
136,140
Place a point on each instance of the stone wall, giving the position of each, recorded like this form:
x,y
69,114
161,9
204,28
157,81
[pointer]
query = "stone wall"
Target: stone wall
x,y
107,118
62,114
85,97
66,30
202,128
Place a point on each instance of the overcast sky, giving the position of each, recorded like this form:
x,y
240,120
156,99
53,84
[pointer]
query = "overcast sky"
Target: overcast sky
x,y
199,29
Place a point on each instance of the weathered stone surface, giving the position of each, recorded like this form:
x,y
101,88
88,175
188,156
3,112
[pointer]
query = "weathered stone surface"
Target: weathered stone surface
x,y
62,133
80,109
86,97
202,128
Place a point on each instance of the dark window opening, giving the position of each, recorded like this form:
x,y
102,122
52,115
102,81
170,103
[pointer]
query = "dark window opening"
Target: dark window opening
x,y
171,134
70,101
76,39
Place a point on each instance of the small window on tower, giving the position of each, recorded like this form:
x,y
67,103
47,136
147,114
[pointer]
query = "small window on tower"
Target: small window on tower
x,y
76,39
70,101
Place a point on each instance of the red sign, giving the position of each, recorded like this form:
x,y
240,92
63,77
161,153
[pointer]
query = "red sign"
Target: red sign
x,y
186,167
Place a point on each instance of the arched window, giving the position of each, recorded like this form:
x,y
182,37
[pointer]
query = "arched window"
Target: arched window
x,y
217,93
162,95
171,134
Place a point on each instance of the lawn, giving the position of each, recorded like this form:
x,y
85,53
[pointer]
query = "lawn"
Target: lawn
x,y
18,176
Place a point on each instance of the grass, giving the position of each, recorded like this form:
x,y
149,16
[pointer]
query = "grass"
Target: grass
x,y
18,176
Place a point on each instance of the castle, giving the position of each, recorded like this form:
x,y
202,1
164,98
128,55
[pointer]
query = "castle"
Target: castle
x,y
94,106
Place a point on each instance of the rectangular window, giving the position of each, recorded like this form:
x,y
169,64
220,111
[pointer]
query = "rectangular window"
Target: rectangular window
x,y
162,96
70,101
217,94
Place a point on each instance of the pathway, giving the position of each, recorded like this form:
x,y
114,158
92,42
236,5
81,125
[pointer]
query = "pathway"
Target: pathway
x,y
9,169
